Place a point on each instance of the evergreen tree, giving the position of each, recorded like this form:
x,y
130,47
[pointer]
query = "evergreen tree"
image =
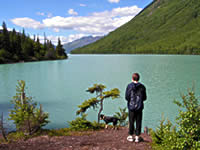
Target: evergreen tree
x,y
185,134
6,40
101,95
23,38
60,51
37,47
13,38
34,38
13,44
18,47
25,114
43,48
50,53
28,49
45,45
1,36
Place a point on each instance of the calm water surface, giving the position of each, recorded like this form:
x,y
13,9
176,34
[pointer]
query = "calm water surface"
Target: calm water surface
x,y
60,85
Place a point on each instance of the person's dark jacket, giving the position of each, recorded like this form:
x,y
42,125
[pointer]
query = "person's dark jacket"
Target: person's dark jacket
x,y
136,86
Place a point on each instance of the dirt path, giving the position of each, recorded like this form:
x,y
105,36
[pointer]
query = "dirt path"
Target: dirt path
x,y
98,140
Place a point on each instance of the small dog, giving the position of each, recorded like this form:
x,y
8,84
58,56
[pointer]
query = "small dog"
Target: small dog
x,y
109,119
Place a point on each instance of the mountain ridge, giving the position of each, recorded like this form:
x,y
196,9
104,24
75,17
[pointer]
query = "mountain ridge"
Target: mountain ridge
x,y
162,27
80,43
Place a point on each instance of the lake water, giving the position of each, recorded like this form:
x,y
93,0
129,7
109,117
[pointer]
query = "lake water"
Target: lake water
x,y
60,86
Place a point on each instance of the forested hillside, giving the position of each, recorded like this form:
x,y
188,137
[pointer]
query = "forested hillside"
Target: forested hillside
x,y
18,47
163,27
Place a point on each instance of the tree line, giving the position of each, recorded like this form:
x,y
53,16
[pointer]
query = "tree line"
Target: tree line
x,y
19,47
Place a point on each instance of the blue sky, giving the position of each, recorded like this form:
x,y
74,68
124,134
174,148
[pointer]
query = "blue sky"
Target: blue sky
x,y
68,19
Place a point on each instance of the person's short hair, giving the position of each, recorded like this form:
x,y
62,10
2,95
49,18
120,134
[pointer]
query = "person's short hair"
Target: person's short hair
x,y
136,77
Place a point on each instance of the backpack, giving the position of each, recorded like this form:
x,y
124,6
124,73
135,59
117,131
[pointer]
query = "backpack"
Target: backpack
x,y
136,102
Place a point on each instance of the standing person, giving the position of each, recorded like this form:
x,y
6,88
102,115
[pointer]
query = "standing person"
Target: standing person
x,y
135,95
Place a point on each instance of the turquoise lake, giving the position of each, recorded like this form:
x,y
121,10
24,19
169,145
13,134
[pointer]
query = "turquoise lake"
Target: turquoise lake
x,y
60,86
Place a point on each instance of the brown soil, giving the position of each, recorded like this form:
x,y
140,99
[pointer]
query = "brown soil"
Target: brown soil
x,y
96,140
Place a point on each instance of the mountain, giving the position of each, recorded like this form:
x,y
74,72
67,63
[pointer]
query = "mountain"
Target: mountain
x,y
80,42
163,27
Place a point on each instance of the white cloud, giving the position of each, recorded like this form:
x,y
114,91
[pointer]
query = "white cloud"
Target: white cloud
x,y
119,12
72,12
27,23
98,23
83,5
126,11
64,39
73,37
113,1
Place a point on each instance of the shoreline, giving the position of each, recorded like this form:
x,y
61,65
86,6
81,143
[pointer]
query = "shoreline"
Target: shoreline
x,y
21,62
135,54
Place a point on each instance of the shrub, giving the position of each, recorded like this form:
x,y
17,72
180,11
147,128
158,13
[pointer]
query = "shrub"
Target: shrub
x,y
14,136
186,134
25,114
122,116
82,124
165,136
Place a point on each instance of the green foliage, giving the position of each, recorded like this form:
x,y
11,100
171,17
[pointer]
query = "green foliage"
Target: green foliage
x,y
163,27
82,124
16,47
122,115
25,114
114,93
189,120
14,136
87,104
165,136
3,55
58,132
186,136
101,95
98,88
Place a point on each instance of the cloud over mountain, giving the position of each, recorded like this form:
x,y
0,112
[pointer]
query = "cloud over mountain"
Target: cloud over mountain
x,y
99,23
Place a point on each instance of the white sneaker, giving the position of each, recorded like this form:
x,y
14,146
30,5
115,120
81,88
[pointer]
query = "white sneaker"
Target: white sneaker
x,y
130,138
136,139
